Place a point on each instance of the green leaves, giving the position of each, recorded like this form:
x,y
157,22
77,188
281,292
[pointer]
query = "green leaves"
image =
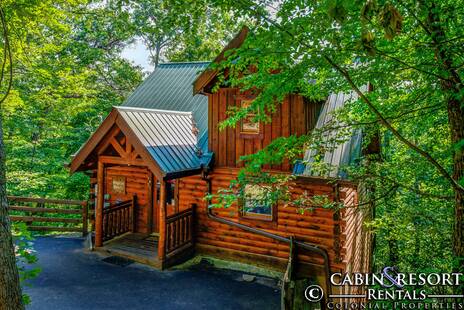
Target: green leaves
x,y
336,10
26,258
391,21
369,10
177,30
386,43
368,43
68,74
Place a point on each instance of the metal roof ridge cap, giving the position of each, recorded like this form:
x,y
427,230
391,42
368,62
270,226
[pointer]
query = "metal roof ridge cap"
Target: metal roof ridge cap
x,y
153,110
184,62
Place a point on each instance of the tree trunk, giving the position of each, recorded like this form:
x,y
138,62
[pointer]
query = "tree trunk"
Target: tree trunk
x,y
452,88
10,290
456,121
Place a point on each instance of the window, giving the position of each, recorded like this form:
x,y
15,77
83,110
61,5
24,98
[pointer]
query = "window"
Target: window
x,y
248,126
256,203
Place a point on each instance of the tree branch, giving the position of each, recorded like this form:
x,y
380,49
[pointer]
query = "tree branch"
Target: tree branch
x,y
411,188
395,132
373,109
380,52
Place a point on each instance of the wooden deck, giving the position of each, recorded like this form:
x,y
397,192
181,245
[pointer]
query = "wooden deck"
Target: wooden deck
x,y
141,248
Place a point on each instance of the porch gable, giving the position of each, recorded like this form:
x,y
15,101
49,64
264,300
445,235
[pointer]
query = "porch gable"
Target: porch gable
x,y
164,141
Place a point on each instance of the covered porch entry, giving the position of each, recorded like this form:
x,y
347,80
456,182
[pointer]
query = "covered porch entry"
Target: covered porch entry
x,y
135,158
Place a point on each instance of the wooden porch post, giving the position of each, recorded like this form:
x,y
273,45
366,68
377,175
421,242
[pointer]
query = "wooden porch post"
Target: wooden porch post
x,y
85,216
99,207
162,224
150,202
156,211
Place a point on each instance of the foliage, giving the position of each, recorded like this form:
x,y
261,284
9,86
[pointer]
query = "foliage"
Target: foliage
x,y
180,30
315,48
25,255
68,74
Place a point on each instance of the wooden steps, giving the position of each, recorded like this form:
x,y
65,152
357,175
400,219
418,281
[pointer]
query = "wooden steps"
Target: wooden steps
x,y
142,248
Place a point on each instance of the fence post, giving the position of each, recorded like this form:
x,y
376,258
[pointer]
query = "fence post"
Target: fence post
x,y
85,216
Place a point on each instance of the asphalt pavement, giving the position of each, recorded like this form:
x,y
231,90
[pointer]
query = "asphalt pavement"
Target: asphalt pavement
x,y
74,278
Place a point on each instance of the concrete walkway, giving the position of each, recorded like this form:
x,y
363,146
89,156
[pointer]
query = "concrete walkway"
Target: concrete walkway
x,y
75,279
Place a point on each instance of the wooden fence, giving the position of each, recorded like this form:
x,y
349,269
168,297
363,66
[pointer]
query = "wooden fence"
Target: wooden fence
x,y
42,214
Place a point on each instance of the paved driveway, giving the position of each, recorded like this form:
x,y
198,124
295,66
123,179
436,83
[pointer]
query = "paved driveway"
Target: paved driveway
x,y
75,279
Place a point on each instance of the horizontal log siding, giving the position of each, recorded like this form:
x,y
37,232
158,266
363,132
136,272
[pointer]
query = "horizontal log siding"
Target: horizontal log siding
x,y
316,227
136,184
358,241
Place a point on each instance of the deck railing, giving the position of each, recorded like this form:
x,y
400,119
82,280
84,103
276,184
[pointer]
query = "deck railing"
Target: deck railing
x,y
179,230
43,214
118,219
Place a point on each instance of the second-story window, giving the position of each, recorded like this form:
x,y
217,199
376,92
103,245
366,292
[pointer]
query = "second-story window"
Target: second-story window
x,y
248,125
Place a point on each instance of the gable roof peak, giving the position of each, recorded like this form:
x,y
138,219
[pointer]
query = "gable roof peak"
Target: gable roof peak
x,y
207,76
173,63
147,110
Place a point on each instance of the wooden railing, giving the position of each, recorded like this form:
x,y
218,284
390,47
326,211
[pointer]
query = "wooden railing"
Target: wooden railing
x,y
179,230
70,215
118,219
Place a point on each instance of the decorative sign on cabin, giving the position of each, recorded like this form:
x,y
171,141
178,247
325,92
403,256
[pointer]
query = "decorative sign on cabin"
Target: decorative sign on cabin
x,y
249,126
119,185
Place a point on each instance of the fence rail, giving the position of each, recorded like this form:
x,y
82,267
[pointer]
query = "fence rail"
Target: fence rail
x,y
179,230
72,214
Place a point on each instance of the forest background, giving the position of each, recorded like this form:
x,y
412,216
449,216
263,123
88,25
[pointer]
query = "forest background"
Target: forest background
x,y
68,72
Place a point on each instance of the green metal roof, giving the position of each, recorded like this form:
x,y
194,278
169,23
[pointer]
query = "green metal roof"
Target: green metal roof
x,y
169,136
339,153
169,87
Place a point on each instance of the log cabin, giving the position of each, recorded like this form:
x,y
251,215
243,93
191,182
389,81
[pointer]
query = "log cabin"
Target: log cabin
x,y
153,160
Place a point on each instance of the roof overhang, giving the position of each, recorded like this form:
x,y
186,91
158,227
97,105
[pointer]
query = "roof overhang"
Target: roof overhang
x,y
114,118
165,141
208,75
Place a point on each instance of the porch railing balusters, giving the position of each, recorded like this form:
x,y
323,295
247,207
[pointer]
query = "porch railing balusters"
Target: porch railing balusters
x,y
179,230
118,219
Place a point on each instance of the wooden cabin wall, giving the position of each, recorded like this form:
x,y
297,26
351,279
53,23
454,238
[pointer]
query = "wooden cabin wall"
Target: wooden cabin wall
x,y
293,117
358,239
136,184
320,227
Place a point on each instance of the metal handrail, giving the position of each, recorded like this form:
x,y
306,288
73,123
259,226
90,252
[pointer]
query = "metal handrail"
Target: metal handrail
x,y
312,248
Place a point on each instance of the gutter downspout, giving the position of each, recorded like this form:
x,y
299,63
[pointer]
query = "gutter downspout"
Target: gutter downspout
x,y
311,248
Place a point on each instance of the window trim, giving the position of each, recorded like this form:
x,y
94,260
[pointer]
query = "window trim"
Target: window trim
x,y
272,218
249,134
